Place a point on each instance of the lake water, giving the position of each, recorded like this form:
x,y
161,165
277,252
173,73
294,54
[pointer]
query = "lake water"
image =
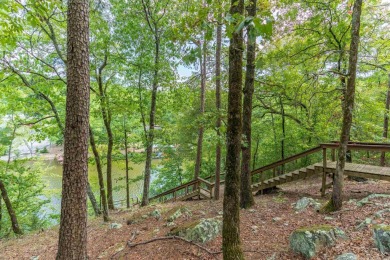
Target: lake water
x,y
52,178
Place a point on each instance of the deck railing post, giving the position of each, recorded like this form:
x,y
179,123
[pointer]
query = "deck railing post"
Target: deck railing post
x,y
262,182
333,154
323,172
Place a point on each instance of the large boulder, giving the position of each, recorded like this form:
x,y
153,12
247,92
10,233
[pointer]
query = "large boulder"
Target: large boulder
x,y
305,202
382,238
309,240
202,230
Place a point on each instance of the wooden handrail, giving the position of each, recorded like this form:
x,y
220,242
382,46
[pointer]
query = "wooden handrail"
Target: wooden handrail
x,y
286,160
360,146
190,183
364,143
210,185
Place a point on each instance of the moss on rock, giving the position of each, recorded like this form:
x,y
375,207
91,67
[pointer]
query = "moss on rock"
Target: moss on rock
x,y
382,238
308,240
202,230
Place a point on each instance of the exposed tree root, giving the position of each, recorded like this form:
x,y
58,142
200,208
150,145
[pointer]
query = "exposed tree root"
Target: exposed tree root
x,y
129,244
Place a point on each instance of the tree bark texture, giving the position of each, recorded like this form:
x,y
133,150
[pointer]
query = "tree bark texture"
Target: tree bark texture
x,y
152,116
386,120
218,107
14,221
231,244
247,200
72,242
202,63
100,175
337,195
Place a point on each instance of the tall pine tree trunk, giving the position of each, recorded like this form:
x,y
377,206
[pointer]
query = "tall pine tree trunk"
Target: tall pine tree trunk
x,y
218,107
337,195
247,200
72,242
386,120
231,244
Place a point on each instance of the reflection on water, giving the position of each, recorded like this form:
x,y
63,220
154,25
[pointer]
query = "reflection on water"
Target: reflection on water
x,y
52,178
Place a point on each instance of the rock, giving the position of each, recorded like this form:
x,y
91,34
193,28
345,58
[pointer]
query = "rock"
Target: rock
x,y
203,230
155,213
276,219
115,226
371,196
364,224
273,257
201,212
309,240
379,213
305,202
177,212
382,238
170,224
255,229
347,256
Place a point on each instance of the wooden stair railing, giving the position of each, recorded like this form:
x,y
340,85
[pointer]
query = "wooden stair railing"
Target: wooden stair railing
x,y
187,190
203,187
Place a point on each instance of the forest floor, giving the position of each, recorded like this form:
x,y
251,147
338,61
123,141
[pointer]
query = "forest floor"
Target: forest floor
x,y
262,235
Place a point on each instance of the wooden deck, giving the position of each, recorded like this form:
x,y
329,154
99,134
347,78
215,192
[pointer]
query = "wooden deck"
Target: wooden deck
x,y
358,170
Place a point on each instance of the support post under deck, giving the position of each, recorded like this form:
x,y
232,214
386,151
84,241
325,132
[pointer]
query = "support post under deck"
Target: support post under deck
x,y
323,172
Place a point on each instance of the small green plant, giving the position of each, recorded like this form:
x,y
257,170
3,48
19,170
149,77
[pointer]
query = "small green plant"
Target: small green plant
x,y
44,150
279,198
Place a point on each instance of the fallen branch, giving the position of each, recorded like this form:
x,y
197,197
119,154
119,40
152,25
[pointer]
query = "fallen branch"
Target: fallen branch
x,y
172,238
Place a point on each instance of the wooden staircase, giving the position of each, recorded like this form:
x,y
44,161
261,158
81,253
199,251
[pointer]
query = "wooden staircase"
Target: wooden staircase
x,y
300,174
203,188
195,189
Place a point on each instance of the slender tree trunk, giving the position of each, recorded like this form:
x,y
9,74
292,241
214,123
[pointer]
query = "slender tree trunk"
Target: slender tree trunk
x,y
386,120
92,198
150,136
337,195
283,133
1,213
72,243
231,244
106,114
218,107
247,200
202,63
100,175
14,221
127,166
256,152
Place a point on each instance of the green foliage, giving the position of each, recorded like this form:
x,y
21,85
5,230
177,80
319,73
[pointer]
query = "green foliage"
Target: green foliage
x,y
25,190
